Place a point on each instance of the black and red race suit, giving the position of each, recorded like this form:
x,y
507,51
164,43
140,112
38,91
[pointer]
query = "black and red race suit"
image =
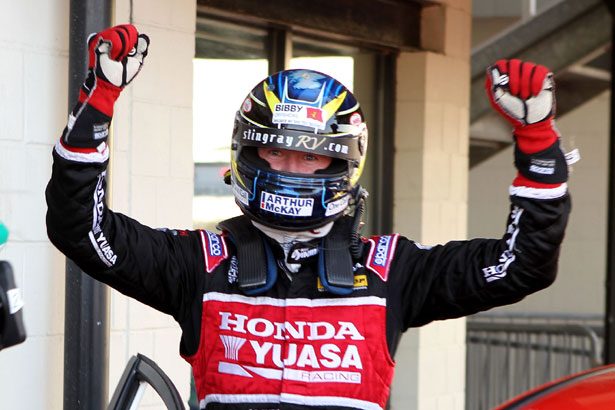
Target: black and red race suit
x,y
295,345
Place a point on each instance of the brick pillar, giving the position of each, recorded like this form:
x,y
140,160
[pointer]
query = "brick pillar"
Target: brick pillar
x,y
152,172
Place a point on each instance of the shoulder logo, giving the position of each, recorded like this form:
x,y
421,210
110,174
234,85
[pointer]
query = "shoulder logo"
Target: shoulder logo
x,y
214,250
381,254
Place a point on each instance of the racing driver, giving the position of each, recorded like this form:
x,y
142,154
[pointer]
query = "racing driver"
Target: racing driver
x,y
287,306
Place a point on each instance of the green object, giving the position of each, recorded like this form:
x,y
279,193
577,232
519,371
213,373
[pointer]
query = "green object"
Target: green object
x,y
4,234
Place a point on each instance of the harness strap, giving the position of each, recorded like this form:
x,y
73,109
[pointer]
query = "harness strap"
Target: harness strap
x,y
335,261
257,271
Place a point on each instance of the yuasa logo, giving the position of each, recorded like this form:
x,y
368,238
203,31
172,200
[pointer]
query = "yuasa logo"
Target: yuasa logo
x,y
215,247
329,355
382,250
102,247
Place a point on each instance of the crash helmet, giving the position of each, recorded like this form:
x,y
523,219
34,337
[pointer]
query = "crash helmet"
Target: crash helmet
x,y
306,111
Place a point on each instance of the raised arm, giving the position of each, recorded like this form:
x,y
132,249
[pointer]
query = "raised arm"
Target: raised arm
x,y
150,265
464,277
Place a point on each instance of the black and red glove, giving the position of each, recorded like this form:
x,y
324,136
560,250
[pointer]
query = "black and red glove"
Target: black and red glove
x,y
523,93
116,56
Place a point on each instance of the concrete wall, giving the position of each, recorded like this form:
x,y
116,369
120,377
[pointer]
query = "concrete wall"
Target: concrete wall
x,y
431,166
33,91
151,175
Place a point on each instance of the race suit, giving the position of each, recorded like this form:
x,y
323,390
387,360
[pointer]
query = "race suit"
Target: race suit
x,y
295,346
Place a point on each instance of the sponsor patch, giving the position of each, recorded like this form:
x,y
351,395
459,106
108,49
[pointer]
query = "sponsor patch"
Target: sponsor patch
x,y
99,203
360,282
381,254
100,131
232,270
310,346
542,166
300,253
247,105
355,119
251,134
241,194
102,248
500,270
345,147
297,114
97,238
285,205
337,206
320,345
214,250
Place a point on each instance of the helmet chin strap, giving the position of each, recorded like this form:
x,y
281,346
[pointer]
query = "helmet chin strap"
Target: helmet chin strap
x,y
281,236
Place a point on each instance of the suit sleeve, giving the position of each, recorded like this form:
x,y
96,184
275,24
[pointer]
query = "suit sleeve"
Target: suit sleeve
x,y
160,268
464,277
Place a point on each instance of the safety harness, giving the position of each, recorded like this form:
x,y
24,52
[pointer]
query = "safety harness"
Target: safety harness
x,y
257,268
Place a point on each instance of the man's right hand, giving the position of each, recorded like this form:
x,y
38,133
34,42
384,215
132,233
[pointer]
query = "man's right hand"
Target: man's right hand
x,y
116,56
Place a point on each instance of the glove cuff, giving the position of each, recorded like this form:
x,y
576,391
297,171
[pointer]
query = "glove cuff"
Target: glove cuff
x,y
536,137
100,94
87,127
544,167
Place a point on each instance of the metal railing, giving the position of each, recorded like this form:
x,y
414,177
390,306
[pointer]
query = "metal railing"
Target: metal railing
x,y
508,354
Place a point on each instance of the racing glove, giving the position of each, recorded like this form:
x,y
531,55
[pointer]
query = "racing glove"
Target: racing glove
x,y
523,93
115,58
